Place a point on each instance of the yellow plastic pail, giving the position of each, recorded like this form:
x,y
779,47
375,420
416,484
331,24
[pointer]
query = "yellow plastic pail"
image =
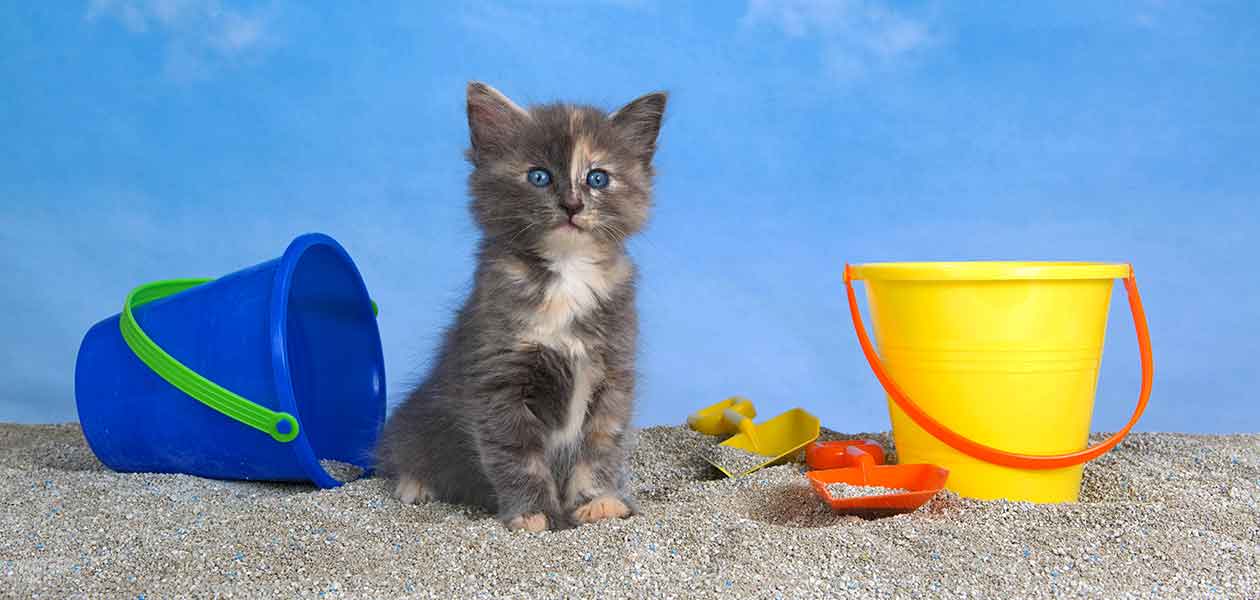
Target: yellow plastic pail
x,y
991,368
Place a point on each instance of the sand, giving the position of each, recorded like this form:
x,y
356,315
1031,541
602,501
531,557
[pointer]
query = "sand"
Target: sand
x,y
844,490
1164,515
735,461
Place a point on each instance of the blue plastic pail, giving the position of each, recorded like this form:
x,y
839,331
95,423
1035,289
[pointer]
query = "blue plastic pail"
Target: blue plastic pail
x,y
290,348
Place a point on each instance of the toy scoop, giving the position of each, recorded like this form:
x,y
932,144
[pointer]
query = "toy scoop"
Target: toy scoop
x,y
860,463
711,419
760,445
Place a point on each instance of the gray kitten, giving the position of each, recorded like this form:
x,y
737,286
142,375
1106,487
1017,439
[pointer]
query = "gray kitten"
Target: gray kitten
x,y
526,409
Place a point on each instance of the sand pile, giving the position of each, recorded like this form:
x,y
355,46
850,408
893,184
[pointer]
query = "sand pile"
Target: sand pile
x,y
1164,515
844,490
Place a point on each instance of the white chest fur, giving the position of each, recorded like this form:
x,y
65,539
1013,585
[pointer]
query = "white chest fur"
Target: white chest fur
x,y
584,376
579,282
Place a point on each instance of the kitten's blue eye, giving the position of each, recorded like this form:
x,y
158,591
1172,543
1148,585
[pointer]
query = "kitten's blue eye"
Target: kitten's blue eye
x,y
539,177
597,178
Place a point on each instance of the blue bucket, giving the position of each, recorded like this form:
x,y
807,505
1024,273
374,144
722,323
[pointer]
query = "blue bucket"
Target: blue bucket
x,y
257,375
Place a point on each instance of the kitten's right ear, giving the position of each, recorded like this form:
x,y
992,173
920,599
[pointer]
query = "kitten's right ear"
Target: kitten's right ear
x,y
492,119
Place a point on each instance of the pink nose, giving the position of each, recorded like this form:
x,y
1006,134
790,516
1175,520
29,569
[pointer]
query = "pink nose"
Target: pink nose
x,y
572,206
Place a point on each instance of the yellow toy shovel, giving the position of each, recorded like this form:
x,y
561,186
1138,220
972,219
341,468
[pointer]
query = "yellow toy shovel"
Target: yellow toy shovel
x,y
710,420
758,446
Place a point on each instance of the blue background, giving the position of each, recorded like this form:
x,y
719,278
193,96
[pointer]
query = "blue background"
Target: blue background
x,y
178,138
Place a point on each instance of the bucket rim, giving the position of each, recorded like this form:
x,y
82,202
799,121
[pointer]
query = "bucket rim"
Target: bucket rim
x,y
989,271
278,326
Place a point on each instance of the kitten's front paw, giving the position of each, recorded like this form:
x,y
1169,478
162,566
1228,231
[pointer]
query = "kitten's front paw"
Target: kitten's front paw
x,y
603,507
412,491
529,522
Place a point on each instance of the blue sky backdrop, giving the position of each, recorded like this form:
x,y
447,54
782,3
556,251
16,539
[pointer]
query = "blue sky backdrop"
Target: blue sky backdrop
x,y
150,139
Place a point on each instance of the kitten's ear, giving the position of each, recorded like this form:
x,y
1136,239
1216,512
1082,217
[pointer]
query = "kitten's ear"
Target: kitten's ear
x,y
640,122
492,119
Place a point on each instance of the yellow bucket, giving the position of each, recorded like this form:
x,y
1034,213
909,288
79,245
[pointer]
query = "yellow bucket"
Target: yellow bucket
x,y
991,368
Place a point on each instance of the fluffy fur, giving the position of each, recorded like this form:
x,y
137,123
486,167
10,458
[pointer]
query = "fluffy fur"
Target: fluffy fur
x,y
526,407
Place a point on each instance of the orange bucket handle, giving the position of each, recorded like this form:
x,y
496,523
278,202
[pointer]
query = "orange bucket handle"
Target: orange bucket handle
x,y
994,455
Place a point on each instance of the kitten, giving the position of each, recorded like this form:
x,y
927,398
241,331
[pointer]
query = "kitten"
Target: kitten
x,y
526,409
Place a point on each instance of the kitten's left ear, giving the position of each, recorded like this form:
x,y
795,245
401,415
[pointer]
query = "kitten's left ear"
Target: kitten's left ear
x,y
640,122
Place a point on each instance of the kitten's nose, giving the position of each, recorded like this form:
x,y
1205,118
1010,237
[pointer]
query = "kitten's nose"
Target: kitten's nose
x,y
572,206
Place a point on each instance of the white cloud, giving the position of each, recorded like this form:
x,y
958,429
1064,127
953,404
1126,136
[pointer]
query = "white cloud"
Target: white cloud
x,y
130,14
856,35
198,33
239,33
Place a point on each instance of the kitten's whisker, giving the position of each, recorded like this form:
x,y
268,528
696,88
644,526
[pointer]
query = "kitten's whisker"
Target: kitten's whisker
x,y
617,232
646,237
602,228
518,233
500,219
621,236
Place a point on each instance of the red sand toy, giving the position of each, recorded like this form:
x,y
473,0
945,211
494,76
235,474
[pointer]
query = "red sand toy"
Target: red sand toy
x,y
861,463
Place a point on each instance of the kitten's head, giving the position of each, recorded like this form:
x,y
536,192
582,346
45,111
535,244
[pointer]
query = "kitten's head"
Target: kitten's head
x,y
559,174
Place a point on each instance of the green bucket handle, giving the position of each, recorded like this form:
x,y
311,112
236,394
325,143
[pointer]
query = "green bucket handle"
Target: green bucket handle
x,y
189,381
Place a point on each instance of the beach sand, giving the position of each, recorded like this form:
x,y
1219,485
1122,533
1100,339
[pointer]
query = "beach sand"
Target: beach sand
x,y
1164,515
